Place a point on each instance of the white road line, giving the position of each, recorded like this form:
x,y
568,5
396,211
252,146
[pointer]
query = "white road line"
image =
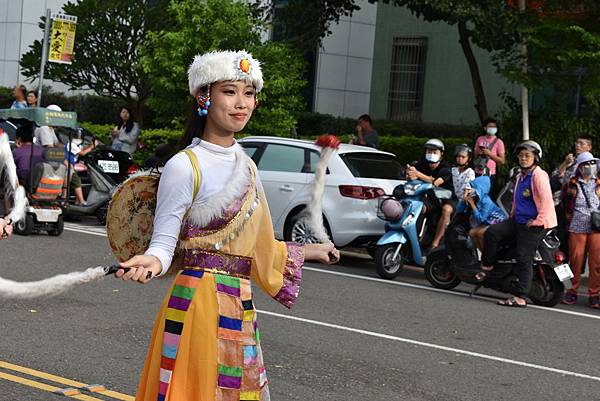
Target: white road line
x,y
433,289
77,230
87,230
97,229
434,346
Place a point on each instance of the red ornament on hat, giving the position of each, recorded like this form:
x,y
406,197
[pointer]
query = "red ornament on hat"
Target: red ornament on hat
x,y
328,141
244,65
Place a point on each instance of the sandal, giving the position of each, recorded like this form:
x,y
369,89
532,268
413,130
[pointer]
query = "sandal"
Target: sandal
x,y
484,273
512,302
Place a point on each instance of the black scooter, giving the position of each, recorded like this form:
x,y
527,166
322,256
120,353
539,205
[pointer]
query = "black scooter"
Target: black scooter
x,y
457,262
106,169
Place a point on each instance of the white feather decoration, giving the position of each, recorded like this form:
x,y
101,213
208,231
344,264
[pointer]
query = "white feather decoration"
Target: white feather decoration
x,y
48,287
7,164
313,214
20,204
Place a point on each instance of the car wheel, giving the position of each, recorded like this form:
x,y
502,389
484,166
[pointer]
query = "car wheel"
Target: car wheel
x,y
298,231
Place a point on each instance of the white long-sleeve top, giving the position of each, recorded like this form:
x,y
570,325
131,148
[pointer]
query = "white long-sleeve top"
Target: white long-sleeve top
x,y
175,192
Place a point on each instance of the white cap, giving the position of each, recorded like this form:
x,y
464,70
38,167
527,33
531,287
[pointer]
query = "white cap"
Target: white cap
x,y
224,66
54,107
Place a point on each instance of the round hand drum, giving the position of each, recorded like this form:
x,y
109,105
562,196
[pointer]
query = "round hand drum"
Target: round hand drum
x,y
130,217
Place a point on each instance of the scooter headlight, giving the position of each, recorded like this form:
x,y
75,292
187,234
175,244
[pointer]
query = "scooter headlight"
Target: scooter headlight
x,y
411,189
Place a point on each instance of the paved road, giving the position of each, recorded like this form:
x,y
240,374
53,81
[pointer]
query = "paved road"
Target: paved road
x,y
350,337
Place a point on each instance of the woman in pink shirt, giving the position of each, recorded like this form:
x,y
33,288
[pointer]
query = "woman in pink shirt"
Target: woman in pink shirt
x,y
489,151
531,216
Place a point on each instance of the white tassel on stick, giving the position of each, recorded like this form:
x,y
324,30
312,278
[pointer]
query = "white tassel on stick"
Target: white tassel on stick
x,y
20,204
7,164
313,217
49,287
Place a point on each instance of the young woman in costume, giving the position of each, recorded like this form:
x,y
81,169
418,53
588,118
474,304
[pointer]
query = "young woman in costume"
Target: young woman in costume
x,y
212,208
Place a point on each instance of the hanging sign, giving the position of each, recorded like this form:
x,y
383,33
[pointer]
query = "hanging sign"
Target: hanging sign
x,y
62,38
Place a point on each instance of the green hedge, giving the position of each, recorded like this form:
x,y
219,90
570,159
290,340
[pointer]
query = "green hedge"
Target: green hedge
x,y
149,138
407,148
410,148
310,124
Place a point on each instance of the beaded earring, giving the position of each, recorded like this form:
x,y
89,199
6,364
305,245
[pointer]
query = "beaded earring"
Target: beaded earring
x,y
203,103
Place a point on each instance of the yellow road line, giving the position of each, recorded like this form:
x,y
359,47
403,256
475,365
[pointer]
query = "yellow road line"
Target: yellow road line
x,y
44,387
62,380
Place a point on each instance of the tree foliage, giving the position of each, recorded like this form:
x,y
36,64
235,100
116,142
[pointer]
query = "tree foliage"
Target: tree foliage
x,y
490,24
308,22
106,54
564,51
199,27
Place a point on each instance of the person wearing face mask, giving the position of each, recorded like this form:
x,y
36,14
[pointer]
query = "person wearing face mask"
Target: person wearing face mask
x,y
73,151
489,150
436,171
581,197
531,216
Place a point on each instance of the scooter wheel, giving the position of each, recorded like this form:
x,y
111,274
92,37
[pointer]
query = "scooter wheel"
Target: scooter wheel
x,y
385,265
546,295
438,271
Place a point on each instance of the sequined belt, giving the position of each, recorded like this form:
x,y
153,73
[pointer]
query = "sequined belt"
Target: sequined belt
x,y
218,263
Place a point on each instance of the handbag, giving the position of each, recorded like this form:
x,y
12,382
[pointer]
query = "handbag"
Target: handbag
x,y
595,214
481,161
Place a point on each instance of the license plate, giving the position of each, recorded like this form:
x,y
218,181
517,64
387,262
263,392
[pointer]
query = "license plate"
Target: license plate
x,y
109,166
563,272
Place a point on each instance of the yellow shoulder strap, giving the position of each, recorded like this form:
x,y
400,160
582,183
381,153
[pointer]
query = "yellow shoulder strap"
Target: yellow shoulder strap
x,y
196,169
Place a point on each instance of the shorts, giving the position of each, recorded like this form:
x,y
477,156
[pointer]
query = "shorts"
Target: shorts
x,y
75,180
434,205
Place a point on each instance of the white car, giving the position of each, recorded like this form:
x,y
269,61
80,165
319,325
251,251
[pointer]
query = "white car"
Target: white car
x,y
356,177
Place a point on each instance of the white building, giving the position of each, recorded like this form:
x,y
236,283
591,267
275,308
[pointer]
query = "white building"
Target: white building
x,y
345,65
343,74
383,61
19,28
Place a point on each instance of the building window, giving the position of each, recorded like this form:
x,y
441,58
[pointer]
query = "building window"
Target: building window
x,y
407,75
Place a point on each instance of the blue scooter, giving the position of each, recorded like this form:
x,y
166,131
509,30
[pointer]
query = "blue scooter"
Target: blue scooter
x,y
405,223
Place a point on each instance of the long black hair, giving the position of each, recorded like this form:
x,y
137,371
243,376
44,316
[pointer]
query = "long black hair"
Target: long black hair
x,y
194,127
129,124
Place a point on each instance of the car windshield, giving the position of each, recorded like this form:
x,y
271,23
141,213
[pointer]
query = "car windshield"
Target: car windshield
x,y
373,165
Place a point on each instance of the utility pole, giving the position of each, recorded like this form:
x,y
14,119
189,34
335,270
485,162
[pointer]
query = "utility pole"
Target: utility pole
x,y
524,90
45,45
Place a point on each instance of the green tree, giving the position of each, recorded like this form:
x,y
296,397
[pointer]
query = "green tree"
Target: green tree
x,y
564,53
490,24
106,54
201,26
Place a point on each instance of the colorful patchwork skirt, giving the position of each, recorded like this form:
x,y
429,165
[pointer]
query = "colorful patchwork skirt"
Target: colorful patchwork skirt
x,y
205,344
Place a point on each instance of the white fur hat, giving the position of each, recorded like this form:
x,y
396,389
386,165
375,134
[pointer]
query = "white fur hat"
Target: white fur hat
x,y
225,65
